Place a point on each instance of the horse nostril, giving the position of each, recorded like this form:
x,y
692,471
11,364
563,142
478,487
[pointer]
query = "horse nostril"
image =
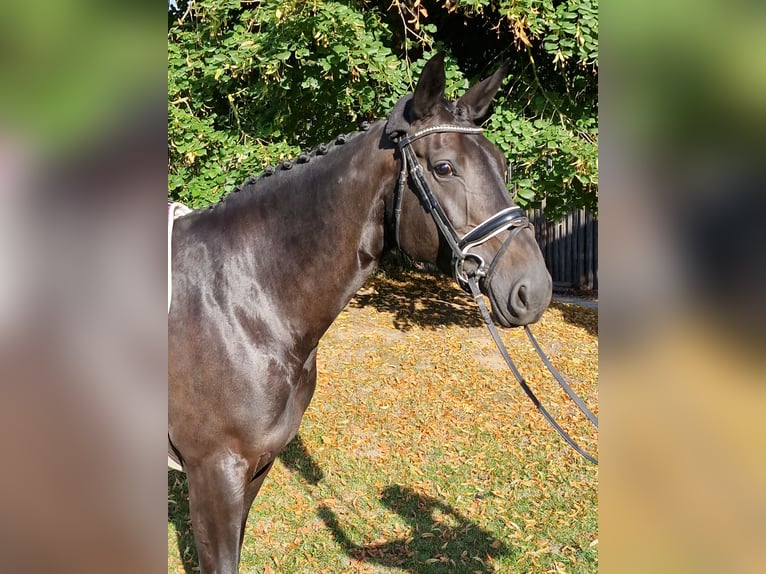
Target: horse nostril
x,y
522,296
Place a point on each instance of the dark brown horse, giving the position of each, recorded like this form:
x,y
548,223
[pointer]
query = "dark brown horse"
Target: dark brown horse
x,y
259,278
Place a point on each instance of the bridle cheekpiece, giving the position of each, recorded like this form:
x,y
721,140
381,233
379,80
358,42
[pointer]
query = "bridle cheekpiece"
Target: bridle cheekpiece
x,y
513,218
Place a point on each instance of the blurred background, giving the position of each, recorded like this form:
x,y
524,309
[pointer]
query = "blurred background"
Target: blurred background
x,y
683,275
83,178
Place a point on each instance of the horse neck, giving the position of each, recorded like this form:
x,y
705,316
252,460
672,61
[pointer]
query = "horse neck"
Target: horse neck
x,y
314,233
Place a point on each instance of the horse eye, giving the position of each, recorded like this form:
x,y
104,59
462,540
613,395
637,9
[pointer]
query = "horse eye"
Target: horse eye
x,y
443,169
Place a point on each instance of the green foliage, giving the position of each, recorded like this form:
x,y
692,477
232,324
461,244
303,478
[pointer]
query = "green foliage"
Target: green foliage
x,y
568,30
248,87
251,83
546,123
546,156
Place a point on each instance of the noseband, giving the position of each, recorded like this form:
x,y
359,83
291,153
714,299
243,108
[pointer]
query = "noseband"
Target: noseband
x,y
513,218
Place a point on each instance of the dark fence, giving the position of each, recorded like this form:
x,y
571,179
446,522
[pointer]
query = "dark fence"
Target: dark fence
x,y
570,248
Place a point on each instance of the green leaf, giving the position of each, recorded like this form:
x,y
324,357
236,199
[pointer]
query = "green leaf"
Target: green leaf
x,y
526,193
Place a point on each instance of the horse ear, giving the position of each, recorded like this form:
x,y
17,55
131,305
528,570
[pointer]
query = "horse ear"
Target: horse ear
x,y
476,100
430,88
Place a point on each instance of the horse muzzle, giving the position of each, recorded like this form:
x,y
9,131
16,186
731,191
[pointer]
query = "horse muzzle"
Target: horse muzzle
x,y
529,295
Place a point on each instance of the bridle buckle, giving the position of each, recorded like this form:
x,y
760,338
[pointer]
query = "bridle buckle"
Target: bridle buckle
x,y
462,276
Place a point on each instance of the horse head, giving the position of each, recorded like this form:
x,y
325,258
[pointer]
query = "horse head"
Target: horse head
x,y
452,207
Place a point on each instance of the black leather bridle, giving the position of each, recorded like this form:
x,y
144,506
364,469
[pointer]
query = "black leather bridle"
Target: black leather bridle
x,y
513,220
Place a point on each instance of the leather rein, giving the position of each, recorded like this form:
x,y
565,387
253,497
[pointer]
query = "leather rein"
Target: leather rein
x,y
512,219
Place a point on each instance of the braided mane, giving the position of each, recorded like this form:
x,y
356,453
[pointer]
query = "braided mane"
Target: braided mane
x,y
302,159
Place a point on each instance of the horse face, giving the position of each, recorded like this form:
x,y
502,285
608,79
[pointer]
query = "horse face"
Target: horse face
x,y
465,172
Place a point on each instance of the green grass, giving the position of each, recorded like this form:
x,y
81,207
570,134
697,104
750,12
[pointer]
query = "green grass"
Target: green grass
x,y
420,455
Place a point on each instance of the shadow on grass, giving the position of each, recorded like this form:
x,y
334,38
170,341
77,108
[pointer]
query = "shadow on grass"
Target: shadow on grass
x,y
178,516
297,458
427,299
578,316
418,299
443,540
